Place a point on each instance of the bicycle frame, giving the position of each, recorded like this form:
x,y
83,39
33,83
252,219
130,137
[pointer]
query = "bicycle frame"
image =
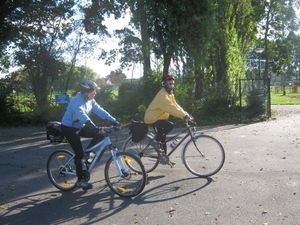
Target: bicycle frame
x,y
189,133
106,142
101,145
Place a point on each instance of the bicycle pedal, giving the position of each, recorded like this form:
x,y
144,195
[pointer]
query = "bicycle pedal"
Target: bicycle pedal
x,y
171,164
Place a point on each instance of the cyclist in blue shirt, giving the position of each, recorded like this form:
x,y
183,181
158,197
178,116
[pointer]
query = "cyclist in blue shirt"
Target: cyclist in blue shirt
x,y
77,117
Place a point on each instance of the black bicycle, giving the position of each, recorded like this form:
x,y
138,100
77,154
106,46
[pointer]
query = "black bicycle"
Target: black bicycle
x,y
202,154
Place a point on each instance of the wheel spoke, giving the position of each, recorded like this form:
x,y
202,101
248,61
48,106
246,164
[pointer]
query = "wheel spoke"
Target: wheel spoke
x,y
203,156
144,151
131,183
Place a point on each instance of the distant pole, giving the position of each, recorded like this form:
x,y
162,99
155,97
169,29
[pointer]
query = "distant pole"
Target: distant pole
x,y
258,66
259,50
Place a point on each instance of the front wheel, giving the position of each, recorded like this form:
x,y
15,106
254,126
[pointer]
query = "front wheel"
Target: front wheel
x,y
144,151
129,183
203,155
61,170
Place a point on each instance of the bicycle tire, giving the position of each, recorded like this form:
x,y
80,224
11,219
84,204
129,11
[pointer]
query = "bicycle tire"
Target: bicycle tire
x,y
55,163
149,157
132,183
214,155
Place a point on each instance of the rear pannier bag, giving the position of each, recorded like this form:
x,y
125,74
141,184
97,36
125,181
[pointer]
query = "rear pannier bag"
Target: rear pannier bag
x,y
54,134
138,130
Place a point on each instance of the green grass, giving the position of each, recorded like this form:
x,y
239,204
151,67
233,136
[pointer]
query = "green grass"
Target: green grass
x,y
288,99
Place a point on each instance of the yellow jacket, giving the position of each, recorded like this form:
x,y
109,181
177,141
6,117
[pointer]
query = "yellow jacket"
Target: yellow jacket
x,y
162,106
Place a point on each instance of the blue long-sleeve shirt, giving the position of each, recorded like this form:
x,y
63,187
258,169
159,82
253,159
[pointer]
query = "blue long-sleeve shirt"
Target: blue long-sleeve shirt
x,y
79,110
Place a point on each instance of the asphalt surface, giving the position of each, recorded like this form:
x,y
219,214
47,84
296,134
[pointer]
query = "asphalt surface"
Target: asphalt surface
x,y
258,184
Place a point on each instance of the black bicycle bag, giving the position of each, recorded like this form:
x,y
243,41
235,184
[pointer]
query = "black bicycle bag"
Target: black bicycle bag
x,y
54,133
138,130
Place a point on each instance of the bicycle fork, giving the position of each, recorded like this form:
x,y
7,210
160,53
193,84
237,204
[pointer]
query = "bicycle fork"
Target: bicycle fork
x,y
194,142
193,139
119,162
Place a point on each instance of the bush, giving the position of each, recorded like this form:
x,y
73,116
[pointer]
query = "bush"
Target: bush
x,y
217,105
255,102
9,116
130,98
134,97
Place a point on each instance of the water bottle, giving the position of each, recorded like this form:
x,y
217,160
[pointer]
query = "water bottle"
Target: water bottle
x,y
174,143
91,157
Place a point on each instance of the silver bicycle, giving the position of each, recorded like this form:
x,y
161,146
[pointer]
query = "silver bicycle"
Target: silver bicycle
x,y
202,154
120,177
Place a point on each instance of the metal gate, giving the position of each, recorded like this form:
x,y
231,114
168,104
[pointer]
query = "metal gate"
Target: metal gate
x,y
255,100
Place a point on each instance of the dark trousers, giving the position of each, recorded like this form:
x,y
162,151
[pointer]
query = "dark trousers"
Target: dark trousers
x,y
75,142
163,127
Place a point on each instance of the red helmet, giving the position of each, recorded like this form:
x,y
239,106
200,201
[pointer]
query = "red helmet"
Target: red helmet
x,y
167,77
164,82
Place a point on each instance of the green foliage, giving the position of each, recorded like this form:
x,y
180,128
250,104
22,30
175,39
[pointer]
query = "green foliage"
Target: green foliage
x,y
70,76
38,48
151,86
256,103
134,97
208,40
116,77
184,93
217,105
9,115
130,98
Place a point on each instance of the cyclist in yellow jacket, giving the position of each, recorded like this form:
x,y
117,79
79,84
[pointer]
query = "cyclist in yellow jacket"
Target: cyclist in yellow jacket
x,y
157,114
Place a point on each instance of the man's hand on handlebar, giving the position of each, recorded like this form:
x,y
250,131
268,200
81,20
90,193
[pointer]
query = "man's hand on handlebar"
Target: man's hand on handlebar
x,y
188,118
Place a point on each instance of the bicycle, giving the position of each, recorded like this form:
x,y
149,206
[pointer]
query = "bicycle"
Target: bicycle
x,y
202,155
120,178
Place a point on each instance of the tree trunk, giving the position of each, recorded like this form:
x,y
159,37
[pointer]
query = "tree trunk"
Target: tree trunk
x,y
199,84
220,64
145,40
41,95
167,62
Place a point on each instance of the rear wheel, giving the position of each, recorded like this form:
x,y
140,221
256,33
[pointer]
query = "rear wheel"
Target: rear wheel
x,y
61,170
203,156
130,183
144,151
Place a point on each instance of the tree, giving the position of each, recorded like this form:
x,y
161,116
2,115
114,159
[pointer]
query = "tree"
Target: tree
x,y
116,77
135,44
44,42
8,30
277,23
43,27
79,73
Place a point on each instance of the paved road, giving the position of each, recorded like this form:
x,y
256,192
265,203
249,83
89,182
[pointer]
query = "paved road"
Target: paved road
x,y
259,183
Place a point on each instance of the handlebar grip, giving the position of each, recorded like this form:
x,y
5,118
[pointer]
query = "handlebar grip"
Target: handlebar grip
x,y
110,129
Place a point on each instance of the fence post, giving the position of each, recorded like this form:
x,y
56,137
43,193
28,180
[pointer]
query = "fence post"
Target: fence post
x,y
269,98
240,93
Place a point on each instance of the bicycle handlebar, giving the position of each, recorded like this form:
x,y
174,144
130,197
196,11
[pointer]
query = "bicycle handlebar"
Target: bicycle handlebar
x,y
106,129
110,129
191,123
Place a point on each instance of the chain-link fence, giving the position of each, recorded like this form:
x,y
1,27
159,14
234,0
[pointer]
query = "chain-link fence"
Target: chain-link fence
x,y
254,98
